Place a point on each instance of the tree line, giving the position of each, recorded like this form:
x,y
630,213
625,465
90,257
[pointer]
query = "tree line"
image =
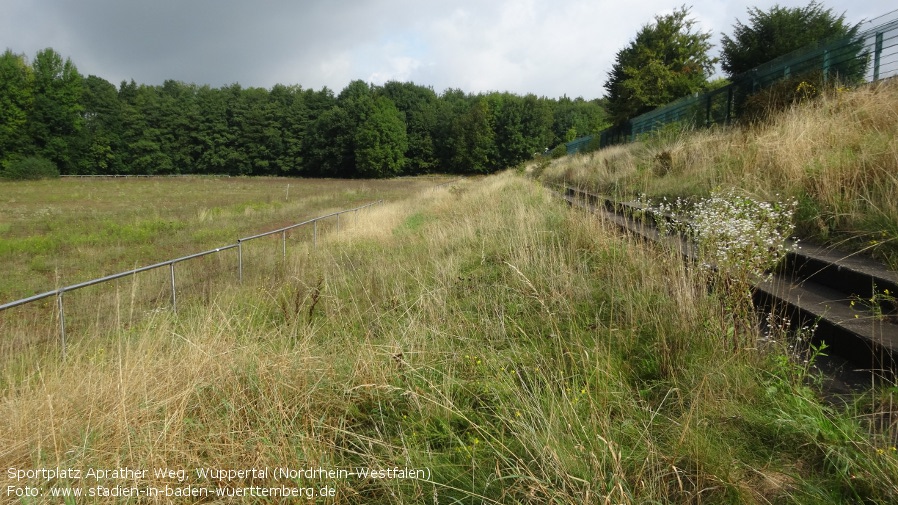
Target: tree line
x,y
52,119
86,125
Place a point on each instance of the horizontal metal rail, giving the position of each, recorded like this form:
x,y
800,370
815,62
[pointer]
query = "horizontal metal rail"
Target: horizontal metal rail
x,y
92,282
310,221
112,277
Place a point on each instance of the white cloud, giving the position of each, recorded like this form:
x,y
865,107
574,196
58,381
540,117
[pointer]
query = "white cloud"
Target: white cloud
x,y
547,47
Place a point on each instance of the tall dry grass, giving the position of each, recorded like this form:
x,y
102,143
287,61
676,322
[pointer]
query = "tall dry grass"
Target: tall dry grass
x,y
837,155
520,351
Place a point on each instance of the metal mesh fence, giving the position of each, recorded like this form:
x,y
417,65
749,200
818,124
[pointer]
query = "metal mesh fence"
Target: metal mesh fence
x,y
869,56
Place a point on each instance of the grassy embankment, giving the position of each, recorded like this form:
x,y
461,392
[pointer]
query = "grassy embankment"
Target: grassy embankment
x,y
836,155
521,351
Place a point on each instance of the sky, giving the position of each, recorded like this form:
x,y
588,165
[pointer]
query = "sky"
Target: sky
x,y
550,48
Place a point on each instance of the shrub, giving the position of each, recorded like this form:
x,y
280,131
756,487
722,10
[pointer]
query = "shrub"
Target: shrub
x,y
559,151
778,97
32,167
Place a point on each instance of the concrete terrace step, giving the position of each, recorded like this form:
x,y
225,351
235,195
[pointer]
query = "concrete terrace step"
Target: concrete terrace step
x,y
868,339
815,285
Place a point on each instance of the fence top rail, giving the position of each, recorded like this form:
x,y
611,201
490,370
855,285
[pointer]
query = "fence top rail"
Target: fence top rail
x,y
92,282
279,230
310,221
144,269
30,299
112,277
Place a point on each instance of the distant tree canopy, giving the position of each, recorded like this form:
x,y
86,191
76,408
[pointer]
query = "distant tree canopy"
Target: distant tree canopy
x,y
86,125
778,31
667,60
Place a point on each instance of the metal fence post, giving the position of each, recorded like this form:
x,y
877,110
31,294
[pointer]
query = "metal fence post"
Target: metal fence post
x,y
877,54
239,261
338,222
174,298
60,292
61,322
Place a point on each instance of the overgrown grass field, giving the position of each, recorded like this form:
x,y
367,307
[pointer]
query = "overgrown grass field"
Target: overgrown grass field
x,y
516,350
57,232
61,232
836,155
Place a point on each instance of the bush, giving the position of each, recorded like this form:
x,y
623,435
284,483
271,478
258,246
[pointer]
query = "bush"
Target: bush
x,y
32,167
780,96
559,151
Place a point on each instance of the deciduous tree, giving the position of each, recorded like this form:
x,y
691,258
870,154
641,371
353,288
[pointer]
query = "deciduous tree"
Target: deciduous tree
x,y
56,117
16,101
380,140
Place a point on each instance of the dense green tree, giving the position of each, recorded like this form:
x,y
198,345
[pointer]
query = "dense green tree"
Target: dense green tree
x,y
523,126
328,146
418,104
380,140
776,32
16,102
574,118
147,136
213,137
667,60
290,115
85,125
56,117
452,104
102,142
258,139
330,143
475,140
176,119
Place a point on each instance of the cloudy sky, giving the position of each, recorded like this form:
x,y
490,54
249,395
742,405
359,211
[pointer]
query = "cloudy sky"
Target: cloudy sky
x,y
547,47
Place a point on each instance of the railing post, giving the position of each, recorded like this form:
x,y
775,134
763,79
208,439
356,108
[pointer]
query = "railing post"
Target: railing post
x,y
61,322
174,296
239,261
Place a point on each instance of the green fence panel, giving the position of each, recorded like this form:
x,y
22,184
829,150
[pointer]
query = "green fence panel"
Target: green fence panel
x,y
869,56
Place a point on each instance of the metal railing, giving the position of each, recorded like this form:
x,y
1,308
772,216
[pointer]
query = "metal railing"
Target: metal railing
x,y
60,292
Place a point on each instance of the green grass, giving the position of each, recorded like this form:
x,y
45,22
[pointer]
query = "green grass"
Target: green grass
x,y
518,350
60,232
